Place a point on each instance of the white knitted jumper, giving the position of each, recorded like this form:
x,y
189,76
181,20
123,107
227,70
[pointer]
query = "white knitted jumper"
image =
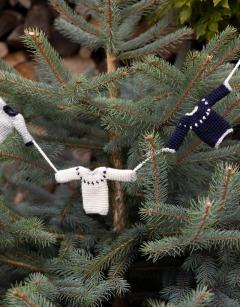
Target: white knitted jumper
x,y
94,184
9,122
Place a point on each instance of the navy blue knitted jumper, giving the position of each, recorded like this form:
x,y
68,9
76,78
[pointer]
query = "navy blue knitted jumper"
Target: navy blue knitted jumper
x,y
209,126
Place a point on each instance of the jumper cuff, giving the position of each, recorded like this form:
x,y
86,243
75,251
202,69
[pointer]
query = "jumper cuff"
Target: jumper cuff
x,y
66,175
30,143
225,134
227,85
168,150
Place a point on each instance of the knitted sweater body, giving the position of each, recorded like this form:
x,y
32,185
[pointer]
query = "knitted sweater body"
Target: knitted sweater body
x,y
94,185
209,126
9,120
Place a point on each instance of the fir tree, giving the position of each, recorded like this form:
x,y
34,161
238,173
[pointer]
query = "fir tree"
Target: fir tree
x,y
172,237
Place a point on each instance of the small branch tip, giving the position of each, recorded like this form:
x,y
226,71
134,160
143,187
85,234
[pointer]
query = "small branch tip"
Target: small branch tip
x,y
208,204
149,137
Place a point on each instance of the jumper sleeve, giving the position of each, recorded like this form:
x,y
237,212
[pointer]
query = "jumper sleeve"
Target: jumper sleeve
x,y
217,94
120,175
20,126
5,128
176,138
66,175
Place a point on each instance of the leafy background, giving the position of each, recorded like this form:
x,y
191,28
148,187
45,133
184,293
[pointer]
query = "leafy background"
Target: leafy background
x,y
205,17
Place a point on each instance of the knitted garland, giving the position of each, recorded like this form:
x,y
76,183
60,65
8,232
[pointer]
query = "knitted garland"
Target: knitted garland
x,y
9,120
205,122
209,126
94,184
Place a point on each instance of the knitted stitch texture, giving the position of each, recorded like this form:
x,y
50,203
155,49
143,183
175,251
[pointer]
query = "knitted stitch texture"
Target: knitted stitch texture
x,y
209,126
94,185
10,119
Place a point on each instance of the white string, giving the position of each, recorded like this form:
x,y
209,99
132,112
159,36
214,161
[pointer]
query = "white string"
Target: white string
x,y
44,155
232,72
140,164
143,162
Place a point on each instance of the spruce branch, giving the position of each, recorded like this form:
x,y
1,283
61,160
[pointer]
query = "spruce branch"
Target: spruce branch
x,y
139,7
75,19
70,203
31,258
222,153
185,93
5,67
235,119
157,46
125,243
92,5
133,113
101,263
111,124
22,265
189,151
231,107
37,41
224,59
77,145
149,35
165,69
199,297
23,297
66,248
220,41
172,246
163,95
15,85
203,221
35,291
162,213
77,34
94,104
225,190
25,161
146,72
100,82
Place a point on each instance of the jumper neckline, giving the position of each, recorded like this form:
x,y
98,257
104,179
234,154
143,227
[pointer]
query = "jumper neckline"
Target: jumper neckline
x,y
87,173
193,111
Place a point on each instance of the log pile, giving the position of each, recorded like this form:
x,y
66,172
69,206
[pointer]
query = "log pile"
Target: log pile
x,y
17,15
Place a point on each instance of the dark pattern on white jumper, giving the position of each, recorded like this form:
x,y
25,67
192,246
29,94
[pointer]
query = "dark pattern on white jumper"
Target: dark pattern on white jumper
x,y
94,184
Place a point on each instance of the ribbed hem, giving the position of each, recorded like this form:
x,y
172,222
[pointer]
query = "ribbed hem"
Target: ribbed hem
x,y
223,137
95,211
168,150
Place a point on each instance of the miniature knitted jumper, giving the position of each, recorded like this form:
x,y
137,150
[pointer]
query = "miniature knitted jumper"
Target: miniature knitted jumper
x,y
10,119
209,126
94,184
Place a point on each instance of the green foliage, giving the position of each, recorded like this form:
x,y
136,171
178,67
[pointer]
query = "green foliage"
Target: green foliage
x,y
36,290
206,17
180,242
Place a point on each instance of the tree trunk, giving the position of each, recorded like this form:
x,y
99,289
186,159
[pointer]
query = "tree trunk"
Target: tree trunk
x,y
116,160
